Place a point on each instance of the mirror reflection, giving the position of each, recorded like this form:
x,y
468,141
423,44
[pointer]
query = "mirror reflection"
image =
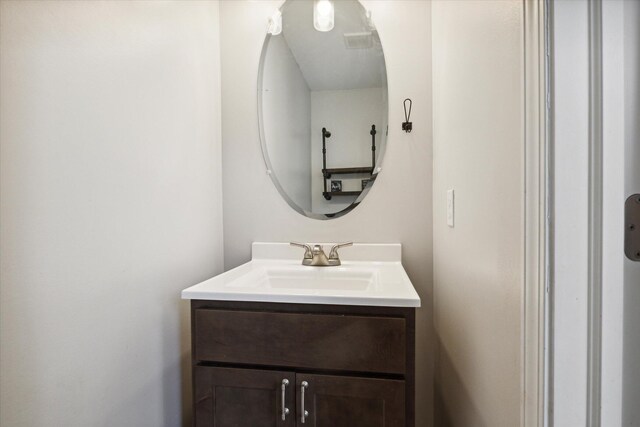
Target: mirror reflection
x,y
323,104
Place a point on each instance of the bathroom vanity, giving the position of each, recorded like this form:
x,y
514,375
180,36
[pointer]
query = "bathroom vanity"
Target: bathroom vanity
x,y
275,343
265,364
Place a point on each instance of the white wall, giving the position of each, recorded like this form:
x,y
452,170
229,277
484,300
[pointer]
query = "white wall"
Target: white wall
x,y
286,114
348,115
253,209
478,88
110,205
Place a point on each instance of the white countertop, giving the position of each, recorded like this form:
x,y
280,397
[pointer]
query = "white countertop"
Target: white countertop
x,y
370,274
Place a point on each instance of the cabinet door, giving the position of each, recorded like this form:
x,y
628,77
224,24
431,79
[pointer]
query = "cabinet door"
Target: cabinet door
x,y
226,397
340,401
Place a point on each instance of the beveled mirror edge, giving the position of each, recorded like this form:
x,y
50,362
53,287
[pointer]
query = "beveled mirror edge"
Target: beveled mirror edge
x,y
265,153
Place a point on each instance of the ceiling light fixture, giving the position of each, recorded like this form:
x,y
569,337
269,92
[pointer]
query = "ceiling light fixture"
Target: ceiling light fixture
x,y
323,15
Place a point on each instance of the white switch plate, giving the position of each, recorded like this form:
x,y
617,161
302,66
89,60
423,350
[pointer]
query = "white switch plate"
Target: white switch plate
x,y
450,208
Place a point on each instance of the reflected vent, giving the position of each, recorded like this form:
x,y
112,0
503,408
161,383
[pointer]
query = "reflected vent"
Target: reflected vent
x,y
358,40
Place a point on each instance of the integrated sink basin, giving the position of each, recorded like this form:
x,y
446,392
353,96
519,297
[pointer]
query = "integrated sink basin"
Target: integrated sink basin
x,y
369,275
310,278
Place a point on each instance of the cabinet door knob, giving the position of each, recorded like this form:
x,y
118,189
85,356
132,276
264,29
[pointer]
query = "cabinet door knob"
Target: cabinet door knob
x,y
304,414
285,410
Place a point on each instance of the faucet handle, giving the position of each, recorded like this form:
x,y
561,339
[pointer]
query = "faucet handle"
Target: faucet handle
x,y
306,247
334,250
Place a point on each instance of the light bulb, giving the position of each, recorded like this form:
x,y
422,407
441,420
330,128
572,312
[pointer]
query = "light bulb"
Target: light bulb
x,y
324,7
275,23
323,15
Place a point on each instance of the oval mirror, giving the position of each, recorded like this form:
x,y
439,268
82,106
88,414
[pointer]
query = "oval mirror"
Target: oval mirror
x,y
322,93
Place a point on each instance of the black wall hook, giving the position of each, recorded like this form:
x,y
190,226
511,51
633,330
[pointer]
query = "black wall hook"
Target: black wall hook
x,y
407,126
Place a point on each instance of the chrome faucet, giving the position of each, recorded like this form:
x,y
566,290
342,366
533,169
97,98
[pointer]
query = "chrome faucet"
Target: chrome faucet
x,y
316,257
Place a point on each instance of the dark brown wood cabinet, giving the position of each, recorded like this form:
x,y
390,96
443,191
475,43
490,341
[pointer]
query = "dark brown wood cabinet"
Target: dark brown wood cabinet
x,y
344,366
241,397
343,401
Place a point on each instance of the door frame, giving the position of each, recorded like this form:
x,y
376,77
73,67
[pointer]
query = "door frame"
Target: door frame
x,y
536,222
597,30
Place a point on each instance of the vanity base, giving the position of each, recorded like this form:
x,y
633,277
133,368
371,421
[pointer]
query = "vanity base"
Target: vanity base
x,y
357,362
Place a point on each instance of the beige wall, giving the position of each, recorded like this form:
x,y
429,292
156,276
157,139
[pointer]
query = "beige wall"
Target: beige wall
x,y
110,205
398,208
478,265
